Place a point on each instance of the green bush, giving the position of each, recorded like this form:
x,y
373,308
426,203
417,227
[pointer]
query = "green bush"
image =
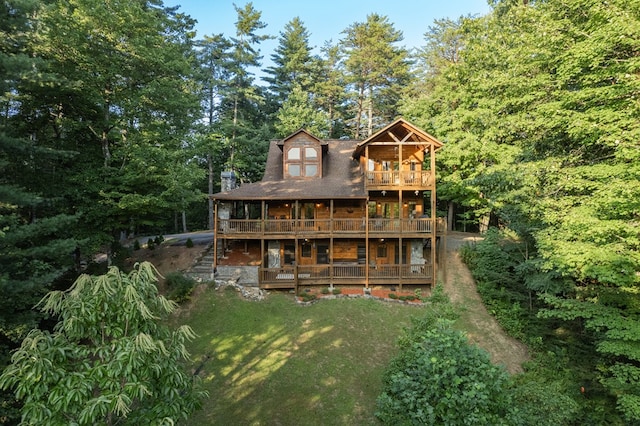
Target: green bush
x,y
179,286
336,291
438,295
325,290
151,244
136,245
393,296
158,240
307,297
189,243
440,379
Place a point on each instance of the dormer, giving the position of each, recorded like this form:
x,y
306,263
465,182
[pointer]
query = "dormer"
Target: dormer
x,y
302,155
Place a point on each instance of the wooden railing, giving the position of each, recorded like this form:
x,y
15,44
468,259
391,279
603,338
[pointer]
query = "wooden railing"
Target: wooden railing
x,y
344,272
255,227
399,178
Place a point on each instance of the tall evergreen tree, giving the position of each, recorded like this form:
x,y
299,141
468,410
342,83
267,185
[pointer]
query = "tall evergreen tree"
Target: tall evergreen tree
x,y
214,58
36,247
241,112
299,112
377,70
294,64
329,90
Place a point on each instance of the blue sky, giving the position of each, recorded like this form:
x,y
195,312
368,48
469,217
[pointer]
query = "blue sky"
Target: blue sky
x,y
326,19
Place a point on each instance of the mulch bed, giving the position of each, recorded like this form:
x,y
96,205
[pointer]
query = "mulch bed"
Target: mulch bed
x,y
380,293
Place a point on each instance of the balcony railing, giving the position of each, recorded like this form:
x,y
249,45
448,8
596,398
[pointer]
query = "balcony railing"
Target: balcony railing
x,y
257,227
315,274
399,178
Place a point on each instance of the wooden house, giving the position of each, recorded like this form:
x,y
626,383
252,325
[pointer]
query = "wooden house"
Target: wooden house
x,y
338,212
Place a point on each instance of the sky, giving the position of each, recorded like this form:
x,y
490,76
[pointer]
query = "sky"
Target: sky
x,y
326,19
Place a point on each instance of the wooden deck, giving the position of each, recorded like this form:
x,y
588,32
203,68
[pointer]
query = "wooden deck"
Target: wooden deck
x,y
345,274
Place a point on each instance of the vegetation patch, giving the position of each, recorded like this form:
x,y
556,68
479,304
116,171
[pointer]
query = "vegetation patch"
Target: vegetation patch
x,y
275,362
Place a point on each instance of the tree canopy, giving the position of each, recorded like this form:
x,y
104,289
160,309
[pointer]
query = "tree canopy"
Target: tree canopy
x,y
539,120
109,360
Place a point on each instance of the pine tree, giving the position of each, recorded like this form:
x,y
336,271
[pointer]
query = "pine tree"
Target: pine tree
x,y
294,63
377,70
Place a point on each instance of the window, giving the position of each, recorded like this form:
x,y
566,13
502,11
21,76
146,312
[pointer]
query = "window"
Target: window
x,y
306,250
310,170
294,153
302,161
294,170
382,250
310,153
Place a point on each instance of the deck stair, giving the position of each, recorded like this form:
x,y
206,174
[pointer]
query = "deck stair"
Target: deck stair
x,y
243,275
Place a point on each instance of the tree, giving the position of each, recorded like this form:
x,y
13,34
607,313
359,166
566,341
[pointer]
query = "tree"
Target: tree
x,y
329,89
377,70
214,59
439,378
242,98
298,112
294,66
35,244
123,94
109,360
539,122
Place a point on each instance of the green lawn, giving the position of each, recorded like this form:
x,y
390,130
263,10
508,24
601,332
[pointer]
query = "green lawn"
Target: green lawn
x,y
278,363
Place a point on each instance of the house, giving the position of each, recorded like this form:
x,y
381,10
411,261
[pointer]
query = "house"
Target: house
x,y
338,212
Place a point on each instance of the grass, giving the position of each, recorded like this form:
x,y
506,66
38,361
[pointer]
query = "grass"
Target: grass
x,y
275,362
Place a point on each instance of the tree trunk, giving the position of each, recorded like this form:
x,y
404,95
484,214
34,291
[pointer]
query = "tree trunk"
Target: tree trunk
x,y
370,113
360,111
451,216
184,221
210,164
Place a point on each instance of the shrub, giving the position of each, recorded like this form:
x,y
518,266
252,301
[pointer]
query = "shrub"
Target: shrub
x,y
393,296
307,297
440,379
179,286
158,240
151,244
189,243
136,245
325,291
438,295
336,291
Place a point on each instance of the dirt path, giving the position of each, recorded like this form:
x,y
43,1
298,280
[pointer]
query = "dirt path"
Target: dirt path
x,y
482,328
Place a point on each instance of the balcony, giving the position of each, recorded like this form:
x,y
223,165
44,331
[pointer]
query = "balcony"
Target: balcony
x,y
344,274
387,179
257,228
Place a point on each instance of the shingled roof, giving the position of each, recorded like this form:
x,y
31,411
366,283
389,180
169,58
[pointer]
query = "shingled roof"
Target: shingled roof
x,y
341,178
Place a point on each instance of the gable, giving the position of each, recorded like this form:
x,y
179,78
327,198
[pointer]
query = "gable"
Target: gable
x,y
399,132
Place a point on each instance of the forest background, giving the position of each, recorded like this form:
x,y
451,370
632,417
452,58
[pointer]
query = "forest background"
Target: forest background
x,y
116,121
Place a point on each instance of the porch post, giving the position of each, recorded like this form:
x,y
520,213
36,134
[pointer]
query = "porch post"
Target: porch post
x,y
434,223
366,242
214,265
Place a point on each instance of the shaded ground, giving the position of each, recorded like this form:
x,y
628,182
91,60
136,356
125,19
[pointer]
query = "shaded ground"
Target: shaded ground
x,y
482,328
166,258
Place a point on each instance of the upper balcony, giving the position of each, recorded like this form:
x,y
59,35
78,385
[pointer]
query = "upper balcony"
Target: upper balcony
x,y
319,228
398,179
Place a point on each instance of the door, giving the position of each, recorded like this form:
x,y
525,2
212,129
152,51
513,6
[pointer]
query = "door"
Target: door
x,y
322,256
